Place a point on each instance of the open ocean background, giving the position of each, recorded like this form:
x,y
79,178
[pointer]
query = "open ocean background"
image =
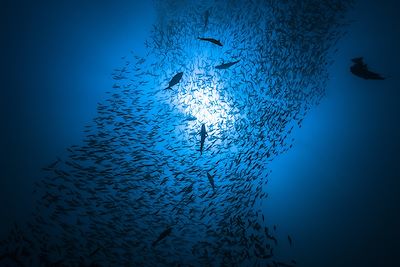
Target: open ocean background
x,y
336,191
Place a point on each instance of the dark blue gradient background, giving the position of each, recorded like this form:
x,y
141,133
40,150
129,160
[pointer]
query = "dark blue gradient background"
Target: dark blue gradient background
x,y
337,190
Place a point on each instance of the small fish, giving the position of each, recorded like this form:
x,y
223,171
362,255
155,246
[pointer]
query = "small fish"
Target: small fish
x,y
206,16
290,240
266,230
203,135
175,80
52,165
224,66
212,40
95,252
190,118
163,235
211,180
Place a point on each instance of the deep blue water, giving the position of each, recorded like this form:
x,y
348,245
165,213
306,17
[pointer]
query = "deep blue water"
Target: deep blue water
x,y
336,191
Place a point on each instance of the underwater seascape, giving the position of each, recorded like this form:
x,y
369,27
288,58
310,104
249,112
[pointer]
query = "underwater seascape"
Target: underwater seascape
x,y
174,165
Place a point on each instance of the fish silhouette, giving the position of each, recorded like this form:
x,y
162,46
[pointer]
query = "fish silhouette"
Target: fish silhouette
x,y
211,180
360,69
206,17
175,80
290,240
163,235
226,65
211,40
203,135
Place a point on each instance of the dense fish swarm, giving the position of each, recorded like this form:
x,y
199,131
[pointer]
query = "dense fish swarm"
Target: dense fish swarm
x,y
139,192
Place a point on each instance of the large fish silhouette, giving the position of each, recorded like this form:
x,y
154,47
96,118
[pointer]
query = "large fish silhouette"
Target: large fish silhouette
x,y
360,69
211,40
175,80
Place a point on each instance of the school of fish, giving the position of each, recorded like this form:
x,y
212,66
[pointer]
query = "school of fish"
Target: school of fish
x,y
174,167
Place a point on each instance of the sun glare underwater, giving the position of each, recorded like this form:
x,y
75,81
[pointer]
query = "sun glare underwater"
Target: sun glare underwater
x,y
174,167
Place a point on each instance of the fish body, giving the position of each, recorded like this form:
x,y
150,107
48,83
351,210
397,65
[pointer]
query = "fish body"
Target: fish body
x,y
271,237
163,235
226,65
211,40
203,135
206,16
175,80
290,240
211,180
360,69
190,118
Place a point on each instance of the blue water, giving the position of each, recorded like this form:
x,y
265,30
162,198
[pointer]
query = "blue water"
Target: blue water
x,y
338,187
335,191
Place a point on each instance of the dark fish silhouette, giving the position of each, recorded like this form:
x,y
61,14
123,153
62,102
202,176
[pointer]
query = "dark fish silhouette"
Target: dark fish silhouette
x,y
52,165
226,65
211,180
203,135
163,235
212,40
206,16
290,240
269,236
175,80
360,69
94,252
190,118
